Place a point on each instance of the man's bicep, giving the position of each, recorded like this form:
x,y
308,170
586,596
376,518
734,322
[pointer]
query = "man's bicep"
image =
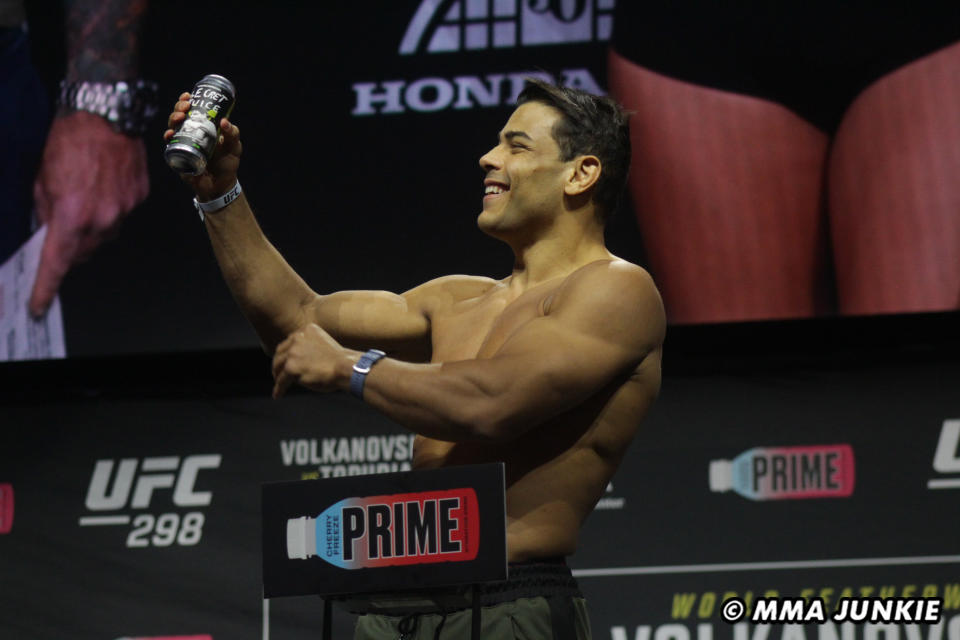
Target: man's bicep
x,y
374,319
555,360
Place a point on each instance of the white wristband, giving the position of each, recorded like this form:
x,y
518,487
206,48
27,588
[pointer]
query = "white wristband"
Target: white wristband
x,y
219,203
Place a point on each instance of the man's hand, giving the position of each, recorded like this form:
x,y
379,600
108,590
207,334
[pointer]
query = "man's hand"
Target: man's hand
x,y
312,358
221,172
90,177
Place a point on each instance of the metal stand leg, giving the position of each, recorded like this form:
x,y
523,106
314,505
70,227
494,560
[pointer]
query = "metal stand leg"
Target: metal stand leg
x,y
476,614
327,619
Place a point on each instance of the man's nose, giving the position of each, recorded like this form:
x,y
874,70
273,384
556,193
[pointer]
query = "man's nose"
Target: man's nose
x,y
488,161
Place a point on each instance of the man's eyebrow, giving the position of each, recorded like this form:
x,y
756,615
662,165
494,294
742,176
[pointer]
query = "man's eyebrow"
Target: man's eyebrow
x,y
510,135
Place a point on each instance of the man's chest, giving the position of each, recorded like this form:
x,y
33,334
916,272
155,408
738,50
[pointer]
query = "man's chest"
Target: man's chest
x,y
478,328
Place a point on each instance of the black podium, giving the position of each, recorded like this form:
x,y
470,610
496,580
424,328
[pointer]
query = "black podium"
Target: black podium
x,y
362,541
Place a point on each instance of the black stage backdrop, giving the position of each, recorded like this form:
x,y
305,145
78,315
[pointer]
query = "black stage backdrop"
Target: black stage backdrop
x,y
129,485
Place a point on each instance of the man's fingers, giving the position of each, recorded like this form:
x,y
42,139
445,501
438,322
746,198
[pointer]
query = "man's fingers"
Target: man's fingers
x,y
284,345
279,362
231,137
180,109
175,119
41,202
283,382
55,259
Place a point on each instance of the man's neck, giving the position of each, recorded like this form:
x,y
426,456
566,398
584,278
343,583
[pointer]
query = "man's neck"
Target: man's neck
x,y
555,255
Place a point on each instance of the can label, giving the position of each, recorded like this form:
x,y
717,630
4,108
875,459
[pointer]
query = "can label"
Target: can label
x,y
202,126
194,143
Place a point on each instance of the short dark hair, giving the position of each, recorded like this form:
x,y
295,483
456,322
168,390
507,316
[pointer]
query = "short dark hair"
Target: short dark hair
x,y
590,125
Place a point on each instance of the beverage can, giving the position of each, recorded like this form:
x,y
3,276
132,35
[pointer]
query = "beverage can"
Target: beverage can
x,y
193,144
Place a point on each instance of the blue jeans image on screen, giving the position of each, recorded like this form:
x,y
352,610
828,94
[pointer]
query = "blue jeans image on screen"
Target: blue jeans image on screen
x,y
24,120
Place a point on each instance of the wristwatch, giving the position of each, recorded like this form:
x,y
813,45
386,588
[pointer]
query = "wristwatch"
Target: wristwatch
x,y
127,106
360,370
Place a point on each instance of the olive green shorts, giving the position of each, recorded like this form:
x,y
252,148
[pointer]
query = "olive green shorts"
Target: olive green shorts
x,y
520,619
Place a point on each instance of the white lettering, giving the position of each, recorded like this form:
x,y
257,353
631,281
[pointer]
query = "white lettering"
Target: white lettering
x,y
302,452
519,79
97,498
358,450
484,94
183,483
828,631
793,632
671,632
367,98
947,457
741,631
414,95
146,484
876,631
581,79
329,446
463,92
183,493
286,451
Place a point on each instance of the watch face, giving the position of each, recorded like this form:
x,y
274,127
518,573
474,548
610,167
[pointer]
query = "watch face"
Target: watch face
x,y
128,107
139,108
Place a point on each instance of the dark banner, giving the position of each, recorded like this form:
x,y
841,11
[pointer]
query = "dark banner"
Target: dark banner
x,y
140,517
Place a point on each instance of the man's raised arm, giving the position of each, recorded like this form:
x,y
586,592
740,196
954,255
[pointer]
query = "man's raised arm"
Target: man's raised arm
x,y
271,294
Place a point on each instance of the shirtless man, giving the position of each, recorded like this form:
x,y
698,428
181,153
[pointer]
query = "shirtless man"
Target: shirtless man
x,y
549,370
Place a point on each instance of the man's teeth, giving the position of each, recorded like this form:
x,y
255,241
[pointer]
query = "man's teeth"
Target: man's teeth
x,y
493,189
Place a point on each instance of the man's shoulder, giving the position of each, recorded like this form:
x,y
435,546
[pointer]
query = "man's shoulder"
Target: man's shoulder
x,y
612,280
618,294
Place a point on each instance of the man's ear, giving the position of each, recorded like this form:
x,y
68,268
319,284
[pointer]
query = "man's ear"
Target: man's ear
x,y
586,172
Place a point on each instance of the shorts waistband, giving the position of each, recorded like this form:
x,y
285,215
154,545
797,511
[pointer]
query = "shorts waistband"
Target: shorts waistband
x,y
542,577
546,577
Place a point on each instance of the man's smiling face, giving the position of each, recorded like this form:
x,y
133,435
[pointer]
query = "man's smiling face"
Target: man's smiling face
x,y
523,185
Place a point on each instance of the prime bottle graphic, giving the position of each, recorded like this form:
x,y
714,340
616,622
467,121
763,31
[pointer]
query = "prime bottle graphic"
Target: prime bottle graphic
x,y
777,473
399,529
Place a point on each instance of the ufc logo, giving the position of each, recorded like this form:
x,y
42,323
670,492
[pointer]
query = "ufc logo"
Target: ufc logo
x,y
142,479
947,457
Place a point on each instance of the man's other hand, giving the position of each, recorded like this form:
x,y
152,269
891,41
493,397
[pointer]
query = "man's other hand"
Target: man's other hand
x,y
309,357
90,177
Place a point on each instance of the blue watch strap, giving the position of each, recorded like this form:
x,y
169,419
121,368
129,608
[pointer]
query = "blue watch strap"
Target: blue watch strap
x,y
361,369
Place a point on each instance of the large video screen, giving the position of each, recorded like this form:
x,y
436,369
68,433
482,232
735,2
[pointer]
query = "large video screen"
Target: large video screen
x,y
787,162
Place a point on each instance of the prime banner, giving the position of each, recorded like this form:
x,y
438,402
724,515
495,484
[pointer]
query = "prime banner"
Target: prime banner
x,y
140,517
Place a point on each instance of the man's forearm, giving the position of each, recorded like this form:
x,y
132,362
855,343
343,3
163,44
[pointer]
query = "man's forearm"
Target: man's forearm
x,y
454,401
103,39
270,293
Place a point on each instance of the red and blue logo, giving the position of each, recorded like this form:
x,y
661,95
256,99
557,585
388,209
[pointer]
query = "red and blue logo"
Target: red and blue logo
x,y
390,530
